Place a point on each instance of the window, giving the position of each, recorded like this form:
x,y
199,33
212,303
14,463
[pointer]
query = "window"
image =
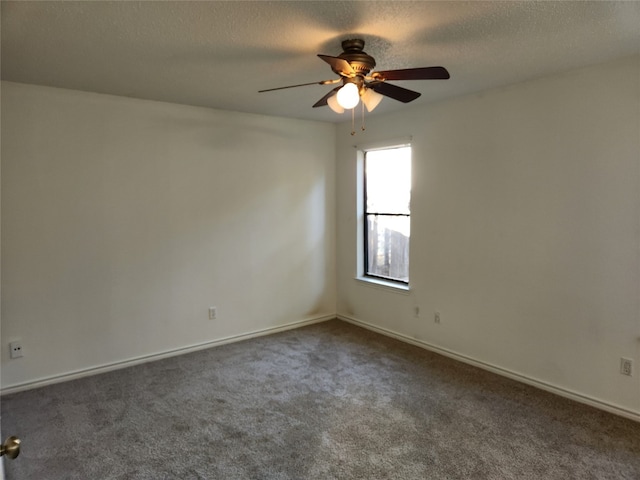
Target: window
x,y
387,195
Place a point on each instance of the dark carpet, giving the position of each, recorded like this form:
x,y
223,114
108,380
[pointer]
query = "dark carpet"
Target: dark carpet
x,y
328,401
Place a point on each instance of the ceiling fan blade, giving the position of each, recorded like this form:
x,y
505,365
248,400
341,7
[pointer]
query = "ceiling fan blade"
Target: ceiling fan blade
x,y
323,82
339,65
424,73
323,101
393,91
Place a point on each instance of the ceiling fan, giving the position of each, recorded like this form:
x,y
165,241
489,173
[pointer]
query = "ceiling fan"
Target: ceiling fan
x,y
354,66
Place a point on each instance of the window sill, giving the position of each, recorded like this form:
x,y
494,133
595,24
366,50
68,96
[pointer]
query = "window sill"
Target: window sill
x,y
400,288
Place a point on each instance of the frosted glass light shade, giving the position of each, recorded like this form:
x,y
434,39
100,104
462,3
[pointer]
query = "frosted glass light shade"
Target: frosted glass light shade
x,y
332,101
371,99
348,96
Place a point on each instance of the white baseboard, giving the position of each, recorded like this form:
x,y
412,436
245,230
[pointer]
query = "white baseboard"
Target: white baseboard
x,y
563,392
159,356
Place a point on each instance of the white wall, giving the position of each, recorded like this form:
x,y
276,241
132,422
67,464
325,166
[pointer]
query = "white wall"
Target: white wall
x,y
525,230
124,220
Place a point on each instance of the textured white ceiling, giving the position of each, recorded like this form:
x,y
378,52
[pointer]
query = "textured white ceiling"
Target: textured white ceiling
x,y
219,54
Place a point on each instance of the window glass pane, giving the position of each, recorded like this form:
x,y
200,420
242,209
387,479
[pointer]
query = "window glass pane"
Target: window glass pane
x,y
388,177
388,246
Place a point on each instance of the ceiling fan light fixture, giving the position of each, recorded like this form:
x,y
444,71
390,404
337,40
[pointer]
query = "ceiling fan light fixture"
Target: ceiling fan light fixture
x,y
348,96
332,101
355,79
371,99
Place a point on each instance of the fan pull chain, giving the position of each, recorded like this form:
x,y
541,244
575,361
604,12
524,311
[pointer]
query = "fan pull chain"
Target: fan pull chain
x,y
363,127
353,121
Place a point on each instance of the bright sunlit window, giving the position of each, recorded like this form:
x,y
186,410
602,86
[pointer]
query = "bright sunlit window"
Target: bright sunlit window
x,y
387,196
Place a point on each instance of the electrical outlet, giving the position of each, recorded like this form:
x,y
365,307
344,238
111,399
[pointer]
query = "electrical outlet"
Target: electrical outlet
x,y
213,312
436,317
15,349
626,366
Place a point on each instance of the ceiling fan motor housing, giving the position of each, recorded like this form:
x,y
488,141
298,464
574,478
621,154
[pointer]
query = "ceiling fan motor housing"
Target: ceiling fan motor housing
x,y
361,62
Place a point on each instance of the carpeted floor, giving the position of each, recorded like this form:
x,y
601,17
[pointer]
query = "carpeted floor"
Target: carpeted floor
x,y
328,401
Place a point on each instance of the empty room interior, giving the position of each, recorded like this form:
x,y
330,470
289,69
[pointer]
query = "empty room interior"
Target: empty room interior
x,y
193,274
